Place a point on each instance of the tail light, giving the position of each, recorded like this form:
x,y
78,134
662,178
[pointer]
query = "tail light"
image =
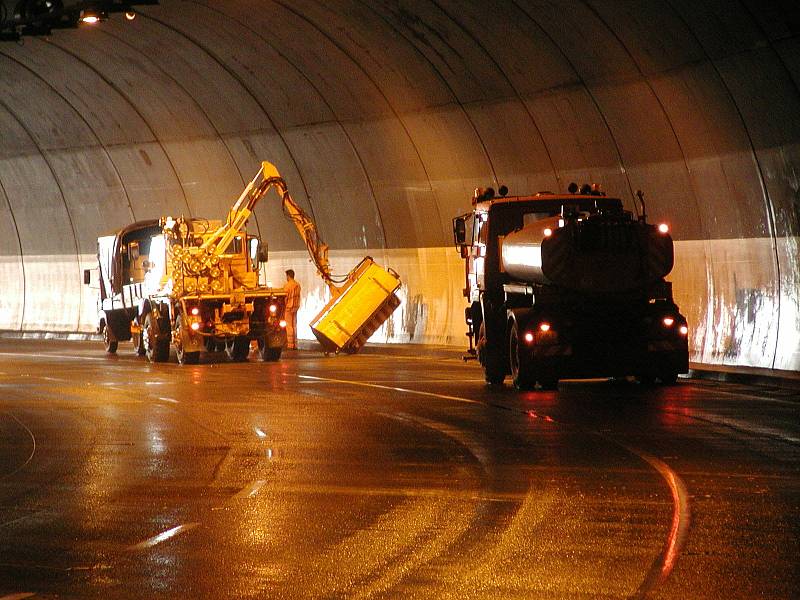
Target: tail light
x,y
282,324
668,321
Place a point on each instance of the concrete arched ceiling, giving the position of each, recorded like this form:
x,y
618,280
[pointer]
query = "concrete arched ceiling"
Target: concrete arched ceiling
x,y
384,116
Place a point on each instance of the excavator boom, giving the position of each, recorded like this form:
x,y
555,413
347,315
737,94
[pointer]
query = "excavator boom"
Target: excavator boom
x,y
360,302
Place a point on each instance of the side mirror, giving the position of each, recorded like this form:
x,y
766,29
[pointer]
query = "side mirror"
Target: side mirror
x,y
133,250
263,252
87,276
459,231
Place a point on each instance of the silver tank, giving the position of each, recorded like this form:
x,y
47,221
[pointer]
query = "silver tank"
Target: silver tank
x,y
593,256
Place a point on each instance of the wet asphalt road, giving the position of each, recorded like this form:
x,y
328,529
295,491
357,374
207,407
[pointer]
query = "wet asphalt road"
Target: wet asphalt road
x,y
385,476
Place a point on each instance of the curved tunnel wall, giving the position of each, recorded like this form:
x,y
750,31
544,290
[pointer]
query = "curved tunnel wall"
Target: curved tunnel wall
x,y
384,116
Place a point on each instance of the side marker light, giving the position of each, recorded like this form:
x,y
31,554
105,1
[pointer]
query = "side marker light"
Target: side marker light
x,y
683,329
528,337
663,228
544,327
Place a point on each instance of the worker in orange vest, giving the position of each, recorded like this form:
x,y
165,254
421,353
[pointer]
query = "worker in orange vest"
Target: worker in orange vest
x,y
292,306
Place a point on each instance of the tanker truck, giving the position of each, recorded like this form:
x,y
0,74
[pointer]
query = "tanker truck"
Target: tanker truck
x,y
564,286
194,283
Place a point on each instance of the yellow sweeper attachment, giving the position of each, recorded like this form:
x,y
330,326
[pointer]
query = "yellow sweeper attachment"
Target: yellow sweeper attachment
x,y
361,305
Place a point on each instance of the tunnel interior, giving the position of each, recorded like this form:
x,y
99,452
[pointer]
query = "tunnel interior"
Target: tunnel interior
x,y
384,116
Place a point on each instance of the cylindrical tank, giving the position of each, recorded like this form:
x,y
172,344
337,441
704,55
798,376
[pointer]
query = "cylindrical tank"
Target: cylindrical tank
x,y
594,255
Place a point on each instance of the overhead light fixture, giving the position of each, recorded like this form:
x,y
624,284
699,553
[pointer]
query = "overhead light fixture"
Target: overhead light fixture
x,y
91,15
37,11
39,17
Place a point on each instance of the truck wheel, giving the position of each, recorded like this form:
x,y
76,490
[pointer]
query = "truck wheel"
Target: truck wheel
x,y
109,342
494,371
520,367
645,380
238,348
156,348
268,354
184,358
549,383
668,378
213,345
138,343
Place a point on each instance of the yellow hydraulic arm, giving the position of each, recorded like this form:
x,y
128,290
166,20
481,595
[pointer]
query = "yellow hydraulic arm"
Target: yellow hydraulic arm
x,y
243,208
360,302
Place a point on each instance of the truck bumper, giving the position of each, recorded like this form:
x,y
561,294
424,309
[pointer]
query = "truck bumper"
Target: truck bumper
x,y
565,361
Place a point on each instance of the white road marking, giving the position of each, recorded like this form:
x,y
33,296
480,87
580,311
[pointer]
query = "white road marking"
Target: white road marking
x,y
157,539
19,596
743,426
169,400
711,390
391,388
679,527
46,355
33,448
251,490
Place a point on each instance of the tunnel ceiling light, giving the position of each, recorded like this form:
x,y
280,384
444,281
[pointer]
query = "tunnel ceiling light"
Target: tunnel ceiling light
x,y
37,11
39,17
93,15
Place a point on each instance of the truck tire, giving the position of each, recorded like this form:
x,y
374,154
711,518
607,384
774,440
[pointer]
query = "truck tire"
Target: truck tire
x,y
214,345
548,383
184,357
645,380
668,378
110,343
268,354
494,370
156,347
138,344
521,369
238,348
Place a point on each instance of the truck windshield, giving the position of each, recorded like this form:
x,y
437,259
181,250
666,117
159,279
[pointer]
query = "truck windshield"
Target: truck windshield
x,y
235,247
